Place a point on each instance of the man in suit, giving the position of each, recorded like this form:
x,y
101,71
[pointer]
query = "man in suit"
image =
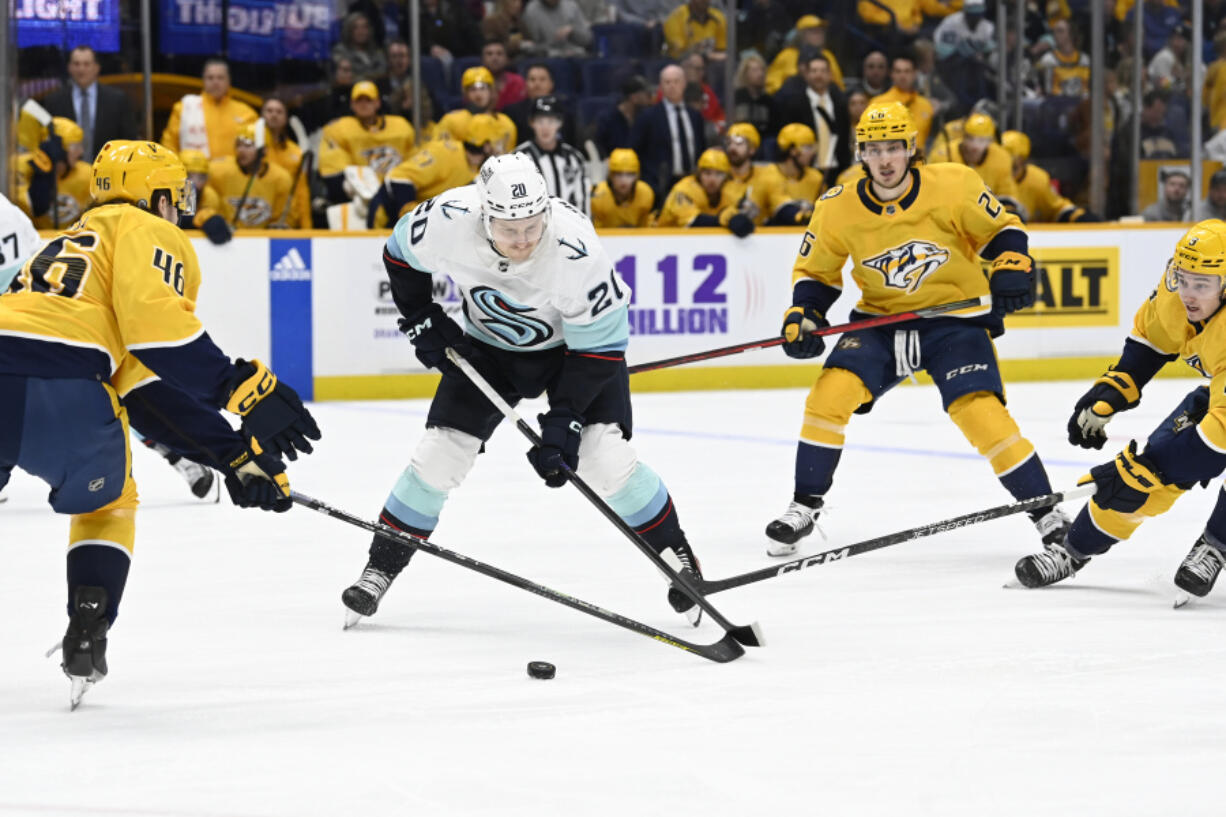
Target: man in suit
x,y
103,113
668,136
823,107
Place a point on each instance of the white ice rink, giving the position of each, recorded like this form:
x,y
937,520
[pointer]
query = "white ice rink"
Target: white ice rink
x,y
901,682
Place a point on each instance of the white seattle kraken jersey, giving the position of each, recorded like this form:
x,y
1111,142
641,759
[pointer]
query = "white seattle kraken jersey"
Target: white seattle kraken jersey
x,y
18,241
567,292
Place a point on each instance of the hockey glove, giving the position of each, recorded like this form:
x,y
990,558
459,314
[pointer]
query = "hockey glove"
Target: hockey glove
x,y
257,480
1114,391
216,229
1012,282
53,147
272,412
558,454
431,331
1125,483
741,225
798,324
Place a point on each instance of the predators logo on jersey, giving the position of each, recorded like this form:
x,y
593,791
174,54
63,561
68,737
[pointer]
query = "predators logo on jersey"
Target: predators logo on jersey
x,y
907,266
253,212
381,158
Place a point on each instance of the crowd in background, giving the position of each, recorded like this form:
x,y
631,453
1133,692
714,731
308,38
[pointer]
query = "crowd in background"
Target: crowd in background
x,y
621,105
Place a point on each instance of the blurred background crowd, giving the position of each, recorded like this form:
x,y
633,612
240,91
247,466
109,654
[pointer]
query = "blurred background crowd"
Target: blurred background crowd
x,y
641,112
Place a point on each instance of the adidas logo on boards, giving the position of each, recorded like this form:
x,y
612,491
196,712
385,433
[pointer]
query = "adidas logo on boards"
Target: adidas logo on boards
x,y
291,267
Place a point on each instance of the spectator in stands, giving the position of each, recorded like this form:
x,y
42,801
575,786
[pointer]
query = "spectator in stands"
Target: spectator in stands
x,y
1035,190
505,23
624,200
333,103
1214,205
447,31
811,38
747,180
964,42
763,27
1157,142
668,136
927,82
705,200
562,165
695,66
281,150
508,85
1213,95
751,102
357,151
1158,20
208,122
908,16
977,149
1064,70
823,108
792,184
558,28
253,192
875,73
208,215
614,128
397,87
1171,67
596,11
1174,203
538,83
857,102
103,113
53,185
695,26
902,89
478,86
359,47
649,13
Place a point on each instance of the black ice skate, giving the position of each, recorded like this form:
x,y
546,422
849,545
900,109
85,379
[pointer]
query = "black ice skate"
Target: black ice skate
x,y
686,562
1052,526
363,596
84,645
1200,568
1053,564
797,522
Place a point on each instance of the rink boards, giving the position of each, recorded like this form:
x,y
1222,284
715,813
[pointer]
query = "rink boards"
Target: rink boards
x,y
318,306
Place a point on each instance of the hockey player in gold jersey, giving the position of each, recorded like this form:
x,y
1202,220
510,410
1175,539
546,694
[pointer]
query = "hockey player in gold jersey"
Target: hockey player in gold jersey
x,y
477,85
54,197
123,281
253,191
624,200
706,199
977,149
287,154
915,236
747,180
365,139
1038,198
1181,319
792,185
208,215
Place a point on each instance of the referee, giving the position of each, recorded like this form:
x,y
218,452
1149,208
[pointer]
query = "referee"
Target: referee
x,y
564,167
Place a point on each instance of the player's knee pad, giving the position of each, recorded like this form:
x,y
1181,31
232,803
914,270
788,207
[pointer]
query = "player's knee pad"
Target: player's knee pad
x,y
444,456
987,425
110,526
830,404
606,458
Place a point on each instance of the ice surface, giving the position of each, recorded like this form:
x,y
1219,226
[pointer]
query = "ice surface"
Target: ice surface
x,y
902,682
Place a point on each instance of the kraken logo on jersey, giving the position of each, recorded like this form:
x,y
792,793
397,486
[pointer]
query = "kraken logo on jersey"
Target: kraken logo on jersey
x,y
508,320
256,211
907,266
381,158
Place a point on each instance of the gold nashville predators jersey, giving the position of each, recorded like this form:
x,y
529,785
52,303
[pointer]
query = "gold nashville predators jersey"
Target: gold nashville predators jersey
x,y
265,198
919,250
995,168
781,189
455,126
750,193
439,165
687,201
636,212
208,204
119,279
1039,199
71,196
288,156
380,147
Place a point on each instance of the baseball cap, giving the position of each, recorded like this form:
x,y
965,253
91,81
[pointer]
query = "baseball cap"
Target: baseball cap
x,y
365,88
809,21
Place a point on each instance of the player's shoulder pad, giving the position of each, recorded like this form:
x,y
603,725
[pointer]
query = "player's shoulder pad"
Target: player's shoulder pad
x,y
574,237
832,192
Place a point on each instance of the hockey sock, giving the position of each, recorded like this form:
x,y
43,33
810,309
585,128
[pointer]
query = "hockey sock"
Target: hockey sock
x,y
828,408
103,566
815,466
664,529
809,501
1028,480
1086,539
391,555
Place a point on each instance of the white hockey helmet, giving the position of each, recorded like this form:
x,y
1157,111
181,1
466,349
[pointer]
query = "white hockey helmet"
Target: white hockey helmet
x,y
511,188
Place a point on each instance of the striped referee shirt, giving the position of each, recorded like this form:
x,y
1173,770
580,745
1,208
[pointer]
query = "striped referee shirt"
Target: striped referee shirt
x,y
565,172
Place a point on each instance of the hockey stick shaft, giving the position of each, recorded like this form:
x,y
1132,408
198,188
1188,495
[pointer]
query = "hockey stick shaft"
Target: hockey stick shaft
x,y
847,551
304,168
722,651
750,635
842,328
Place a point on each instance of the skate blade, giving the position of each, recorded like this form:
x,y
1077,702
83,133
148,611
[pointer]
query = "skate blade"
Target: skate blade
x,y
1181,599
79,687
352,619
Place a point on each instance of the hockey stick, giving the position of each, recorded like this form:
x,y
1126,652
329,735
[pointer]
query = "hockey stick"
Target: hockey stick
x,y
722,651
305,164
847,551
750,636
867,323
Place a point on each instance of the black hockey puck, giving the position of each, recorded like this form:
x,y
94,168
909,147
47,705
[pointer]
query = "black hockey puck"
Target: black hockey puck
x,y
541,669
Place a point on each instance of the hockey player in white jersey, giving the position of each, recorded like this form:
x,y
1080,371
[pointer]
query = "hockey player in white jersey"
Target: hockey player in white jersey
x,y
544,312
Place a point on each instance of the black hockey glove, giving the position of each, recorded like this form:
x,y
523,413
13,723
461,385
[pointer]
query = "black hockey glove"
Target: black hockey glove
x,y
53,146
257,480
741,225
272,412
798,324
1125,483
1012,282
558,453
431,331
1114,391
216,229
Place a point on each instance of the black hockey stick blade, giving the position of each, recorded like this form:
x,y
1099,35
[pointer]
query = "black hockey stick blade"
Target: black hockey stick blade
x,y
722,651
847,551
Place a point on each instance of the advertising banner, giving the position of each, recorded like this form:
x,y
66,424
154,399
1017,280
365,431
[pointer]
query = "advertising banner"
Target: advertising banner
x,y
68,23
262,31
